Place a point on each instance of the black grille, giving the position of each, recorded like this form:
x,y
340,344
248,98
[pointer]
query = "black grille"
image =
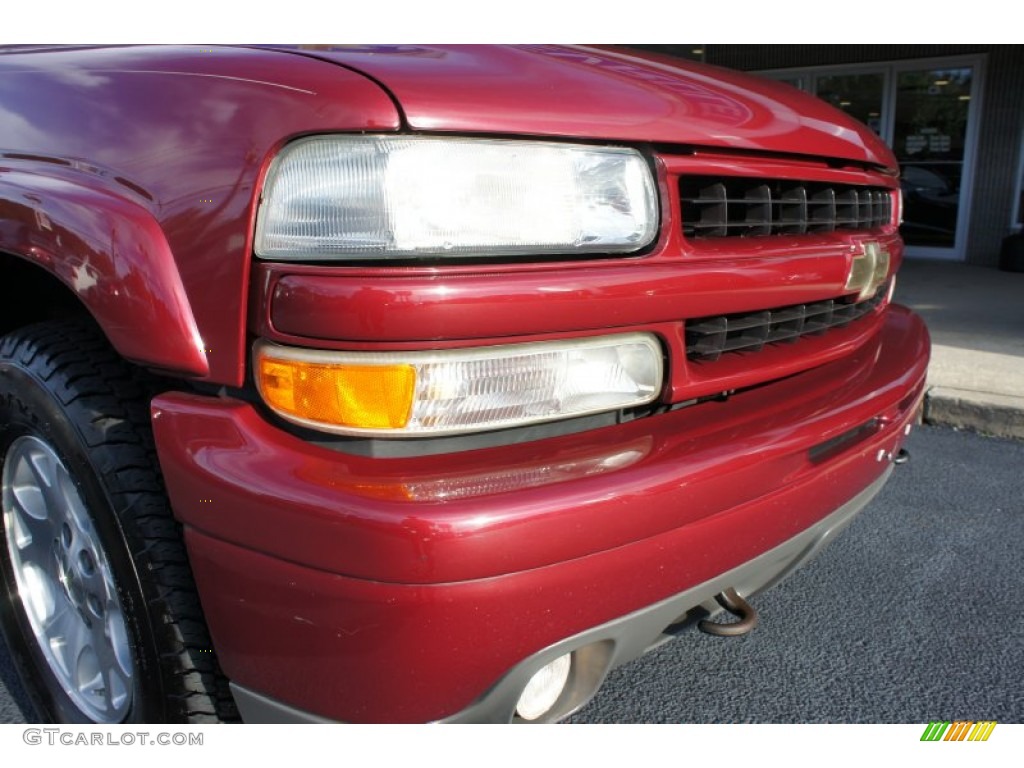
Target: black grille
x,y
725,206
708,338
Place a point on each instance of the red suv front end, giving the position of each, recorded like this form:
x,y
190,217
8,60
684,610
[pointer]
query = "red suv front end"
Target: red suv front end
x,y
477,467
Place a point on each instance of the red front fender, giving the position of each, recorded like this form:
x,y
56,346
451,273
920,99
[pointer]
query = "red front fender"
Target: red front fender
x,y
112,253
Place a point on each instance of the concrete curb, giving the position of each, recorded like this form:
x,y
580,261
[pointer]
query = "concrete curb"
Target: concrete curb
x,y
983,412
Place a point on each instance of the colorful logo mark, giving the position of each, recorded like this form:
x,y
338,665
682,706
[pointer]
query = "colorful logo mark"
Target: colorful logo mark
x,y
958,730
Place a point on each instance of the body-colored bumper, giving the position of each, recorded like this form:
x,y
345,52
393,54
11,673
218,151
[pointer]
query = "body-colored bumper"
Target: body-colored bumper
x,y
600,649
406,589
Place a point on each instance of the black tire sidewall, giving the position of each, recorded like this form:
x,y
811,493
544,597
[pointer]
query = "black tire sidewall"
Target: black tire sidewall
x,y
28,406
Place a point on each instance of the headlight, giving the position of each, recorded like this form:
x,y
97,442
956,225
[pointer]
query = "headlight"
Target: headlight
x,y
409,394
379,197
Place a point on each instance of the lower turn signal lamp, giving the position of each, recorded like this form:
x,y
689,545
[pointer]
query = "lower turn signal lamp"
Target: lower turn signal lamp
x,y
409,394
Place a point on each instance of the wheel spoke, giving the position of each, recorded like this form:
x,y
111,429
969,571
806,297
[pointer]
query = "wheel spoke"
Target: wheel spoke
x,y
43,467
30,500
30,534
42,596
105,637
67,635
108,663
30,521
91,682
86,671
117,632
21,470
71,501
118,688
62,608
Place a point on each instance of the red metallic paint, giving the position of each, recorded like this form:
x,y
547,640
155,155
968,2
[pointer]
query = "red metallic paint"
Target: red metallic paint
x,y
323,594
551,306
412,307
167,138
401,589
354,305
186,133
277,494
110,252
340,305
605,94
361,307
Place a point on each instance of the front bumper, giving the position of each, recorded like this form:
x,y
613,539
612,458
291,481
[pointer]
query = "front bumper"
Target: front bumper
x,y
412,589
601,649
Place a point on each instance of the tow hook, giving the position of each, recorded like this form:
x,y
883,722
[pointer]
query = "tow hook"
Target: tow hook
x,y
902,456
738,607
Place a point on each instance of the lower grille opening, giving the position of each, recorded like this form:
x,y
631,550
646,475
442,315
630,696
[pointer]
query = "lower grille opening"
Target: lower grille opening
x,y
708,338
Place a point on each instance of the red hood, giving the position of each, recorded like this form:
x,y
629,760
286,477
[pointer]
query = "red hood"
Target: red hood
x,y
604,94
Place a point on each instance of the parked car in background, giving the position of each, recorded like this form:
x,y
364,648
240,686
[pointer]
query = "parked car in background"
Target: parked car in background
x,y
419,383
931,196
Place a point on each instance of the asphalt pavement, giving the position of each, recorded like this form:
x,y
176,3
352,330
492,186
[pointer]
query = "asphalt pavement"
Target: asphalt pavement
x,y
914,614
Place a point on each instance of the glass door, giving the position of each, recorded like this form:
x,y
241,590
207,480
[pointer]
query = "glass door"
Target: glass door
x,y
930,142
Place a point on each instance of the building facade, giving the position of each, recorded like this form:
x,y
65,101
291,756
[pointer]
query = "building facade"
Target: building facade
x,y
953,115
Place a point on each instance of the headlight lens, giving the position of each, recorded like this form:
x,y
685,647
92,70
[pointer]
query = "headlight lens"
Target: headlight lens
x,y
409,394
366,197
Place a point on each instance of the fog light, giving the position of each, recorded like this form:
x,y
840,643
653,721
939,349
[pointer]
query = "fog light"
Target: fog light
x,y
544,688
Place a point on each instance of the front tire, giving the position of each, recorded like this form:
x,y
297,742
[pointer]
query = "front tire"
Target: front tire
x,y
97,601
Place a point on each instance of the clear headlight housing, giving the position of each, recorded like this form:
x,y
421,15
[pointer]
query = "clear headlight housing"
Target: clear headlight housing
x,y
446,392
347,197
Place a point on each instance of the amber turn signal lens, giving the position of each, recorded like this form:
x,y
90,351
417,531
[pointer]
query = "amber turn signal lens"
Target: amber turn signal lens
x,y
357,396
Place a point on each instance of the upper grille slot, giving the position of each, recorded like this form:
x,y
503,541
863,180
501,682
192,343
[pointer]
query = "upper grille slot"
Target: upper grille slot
x,y
729,206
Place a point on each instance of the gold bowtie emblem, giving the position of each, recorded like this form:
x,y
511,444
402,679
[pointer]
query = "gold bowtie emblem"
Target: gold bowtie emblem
x,y
868,270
